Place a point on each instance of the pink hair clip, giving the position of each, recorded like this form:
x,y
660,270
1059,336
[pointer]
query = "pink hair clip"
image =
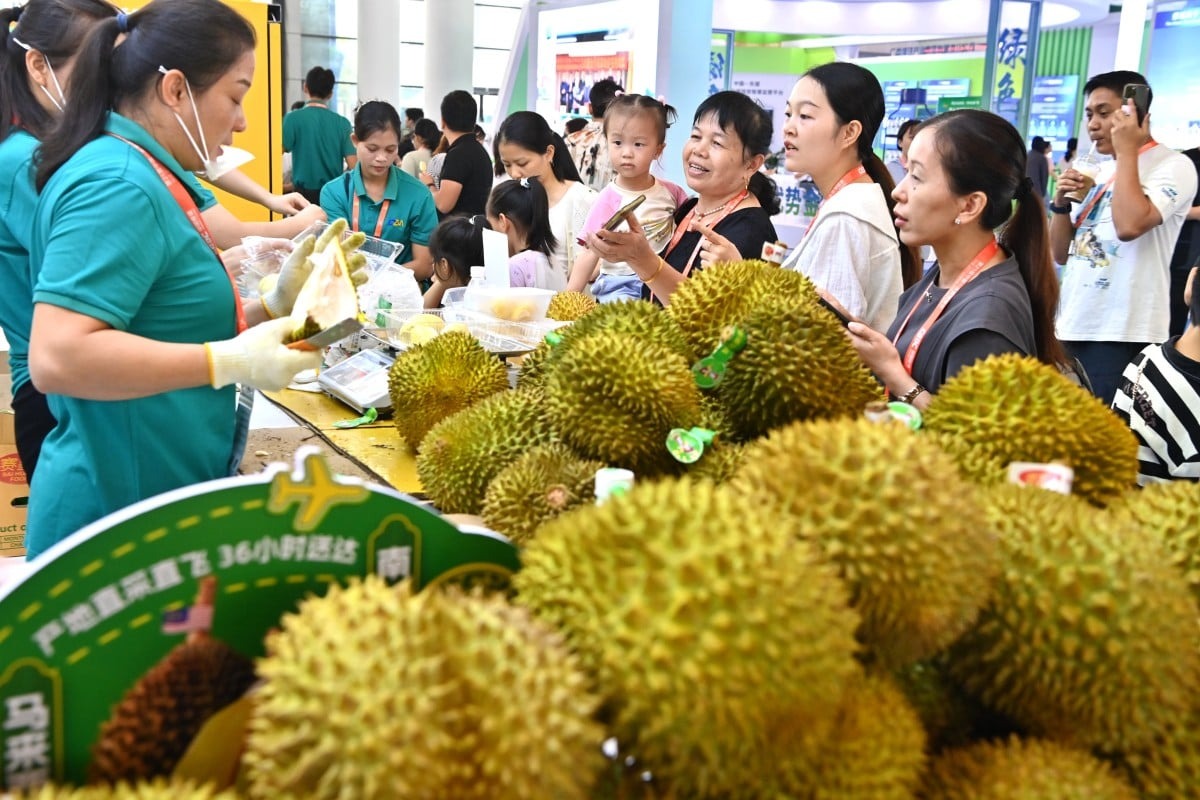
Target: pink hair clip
x,y
662,98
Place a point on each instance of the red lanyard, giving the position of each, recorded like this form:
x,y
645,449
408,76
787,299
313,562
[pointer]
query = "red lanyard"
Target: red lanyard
x,y
683,226
847,179
973,269
378,225
188,205
1087,209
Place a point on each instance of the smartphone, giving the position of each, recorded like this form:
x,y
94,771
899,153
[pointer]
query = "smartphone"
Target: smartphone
x,y
616,218
837,312
1139,93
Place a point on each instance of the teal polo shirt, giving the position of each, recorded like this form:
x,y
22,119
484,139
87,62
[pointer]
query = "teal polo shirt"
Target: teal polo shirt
x,y
411,215
110,242
18,200
318,140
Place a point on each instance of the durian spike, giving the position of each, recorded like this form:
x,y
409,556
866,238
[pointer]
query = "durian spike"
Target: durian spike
x,y
206,597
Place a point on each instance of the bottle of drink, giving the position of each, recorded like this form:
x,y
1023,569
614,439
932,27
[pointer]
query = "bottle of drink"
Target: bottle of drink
x,y
478,280
1089,167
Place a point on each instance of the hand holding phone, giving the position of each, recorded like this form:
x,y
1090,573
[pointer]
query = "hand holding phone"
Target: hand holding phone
x,y
628,208
833,309
1139,93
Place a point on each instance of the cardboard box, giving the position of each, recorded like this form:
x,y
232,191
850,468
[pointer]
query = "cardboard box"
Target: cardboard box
x,y
14,488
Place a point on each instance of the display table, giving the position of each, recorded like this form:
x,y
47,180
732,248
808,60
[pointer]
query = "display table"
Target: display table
x,y
376,447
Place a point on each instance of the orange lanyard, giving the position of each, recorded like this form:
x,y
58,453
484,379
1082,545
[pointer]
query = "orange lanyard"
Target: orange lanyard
x,y
844,181
973,269
682,227
378,225
1087,209
190,210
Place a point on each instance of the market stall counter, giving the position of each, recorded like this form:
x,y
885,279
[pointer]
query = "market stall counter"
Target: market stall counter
x,y
374,446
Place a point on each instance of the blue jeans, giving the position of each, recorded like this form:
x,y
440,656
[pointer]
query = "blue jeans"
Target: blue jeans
x,y
611,288
1104,362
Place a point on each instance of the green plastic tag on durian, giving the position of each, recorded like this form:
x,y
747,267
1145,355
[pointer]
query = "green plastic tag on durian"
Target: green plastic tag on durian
x,y
686,446
709,371
369,416
553,339
903,412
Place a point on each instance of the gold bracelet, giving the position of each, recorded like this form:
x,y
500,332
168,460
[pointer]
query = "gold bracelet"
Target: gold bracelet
x,y
912,394
661,263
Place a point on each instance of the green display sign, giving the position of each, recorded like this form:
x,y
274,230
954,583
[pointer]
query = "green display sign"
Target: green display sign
x,y
954,103
104,607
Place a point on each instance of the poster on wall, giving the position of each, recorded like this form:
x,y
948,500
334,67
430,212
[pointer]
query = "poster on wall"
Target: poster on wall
x,y
576,74
1174,73
771,92
580,45
1052,110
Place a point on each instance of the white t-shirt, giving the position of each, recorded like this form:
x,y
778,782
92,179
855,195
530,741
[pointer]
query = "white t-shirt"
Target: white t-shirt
x,y
567,218
657,215
852,252
1114,291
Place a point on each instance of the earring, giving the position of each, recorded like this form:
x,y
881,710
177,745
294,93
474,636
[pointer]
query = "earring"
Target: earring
x,y
957,221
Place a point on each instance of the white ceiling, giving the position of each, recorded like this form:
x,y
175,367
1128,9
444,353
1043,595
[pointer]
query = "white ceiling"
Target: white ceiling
x,y
912,19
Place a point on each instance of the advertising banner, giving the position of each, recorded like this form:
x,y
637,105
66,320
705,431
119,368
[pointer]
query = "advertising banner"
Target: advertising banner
x,y
1052,110
772,92
1174,73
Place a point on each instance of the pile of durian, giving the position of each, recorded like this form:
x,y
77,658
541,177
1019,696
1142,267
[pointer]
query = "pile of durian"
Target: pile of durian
x,y
822,606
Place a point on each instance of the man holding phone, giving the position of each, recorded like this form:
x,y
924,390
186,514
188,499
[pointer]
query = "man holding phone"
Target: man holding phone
x,y
1116,244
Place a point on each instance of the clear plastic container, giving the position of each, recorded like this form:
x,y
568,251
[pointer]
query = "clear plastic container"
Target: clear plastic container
x,y
253,270
510,303
406,327
453,297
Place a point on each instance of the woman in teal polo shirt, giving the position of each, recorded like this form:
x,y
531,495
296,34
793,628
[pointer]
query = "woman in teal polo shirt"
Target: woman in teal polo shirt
x,y
377,197
138,335
41,40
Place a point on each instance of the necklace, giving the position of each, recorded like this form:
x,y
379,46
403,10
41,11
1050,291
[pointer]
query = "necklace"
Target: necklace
x,y
702,214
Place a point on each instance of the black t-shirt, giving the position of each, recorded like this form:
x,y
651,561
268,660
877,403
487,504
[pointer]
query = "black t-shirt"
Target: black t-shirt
x,y
1187,246
988,316
467,163
748,229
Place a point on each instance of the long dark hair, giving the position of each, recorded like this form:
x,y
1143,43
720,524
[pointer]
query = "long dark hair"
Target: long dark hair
x,y
56,29
736,112
530,131
201,38
854,93
525,203
983,152
458,240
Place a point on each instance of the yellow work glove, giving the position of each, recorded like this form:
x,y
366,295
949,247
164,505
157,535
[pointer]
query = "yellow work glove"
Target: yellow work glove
x,y
257,357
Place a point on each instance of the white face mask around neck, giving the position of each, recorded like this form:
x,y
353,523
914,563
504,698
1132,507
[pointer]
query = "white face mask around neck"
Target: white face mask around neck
x,y
230,158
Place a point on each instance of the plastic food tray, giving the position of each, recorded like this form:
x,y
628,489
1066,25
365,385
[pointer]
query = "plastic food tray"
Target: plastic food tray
x,y
497,336
379,252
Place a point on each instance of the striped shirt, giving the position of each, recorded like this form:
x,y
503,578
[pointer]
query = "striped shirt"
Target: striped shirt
x,y
1159,397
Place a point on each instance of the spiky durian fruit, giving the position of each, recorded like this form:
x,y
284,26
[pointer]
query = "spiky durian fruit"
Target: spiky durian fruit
x,y
159,789
532,372
1168,768
432,381
797,365
918,572
875,749
1022,770
708,302
719,463
538,486
642,320
1015,408
152,726
374,692
570,306
1171,511
461,454
1090,636
615,398
704,620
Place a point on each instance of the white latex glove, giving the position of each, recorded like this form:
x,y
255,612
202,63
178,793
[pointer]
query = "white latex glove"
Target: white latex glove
x,y
257,357
295,271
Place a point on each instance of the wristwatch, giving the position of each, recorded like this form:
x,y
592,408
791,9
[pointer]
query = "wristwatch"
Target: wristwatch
x,y
1059,209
